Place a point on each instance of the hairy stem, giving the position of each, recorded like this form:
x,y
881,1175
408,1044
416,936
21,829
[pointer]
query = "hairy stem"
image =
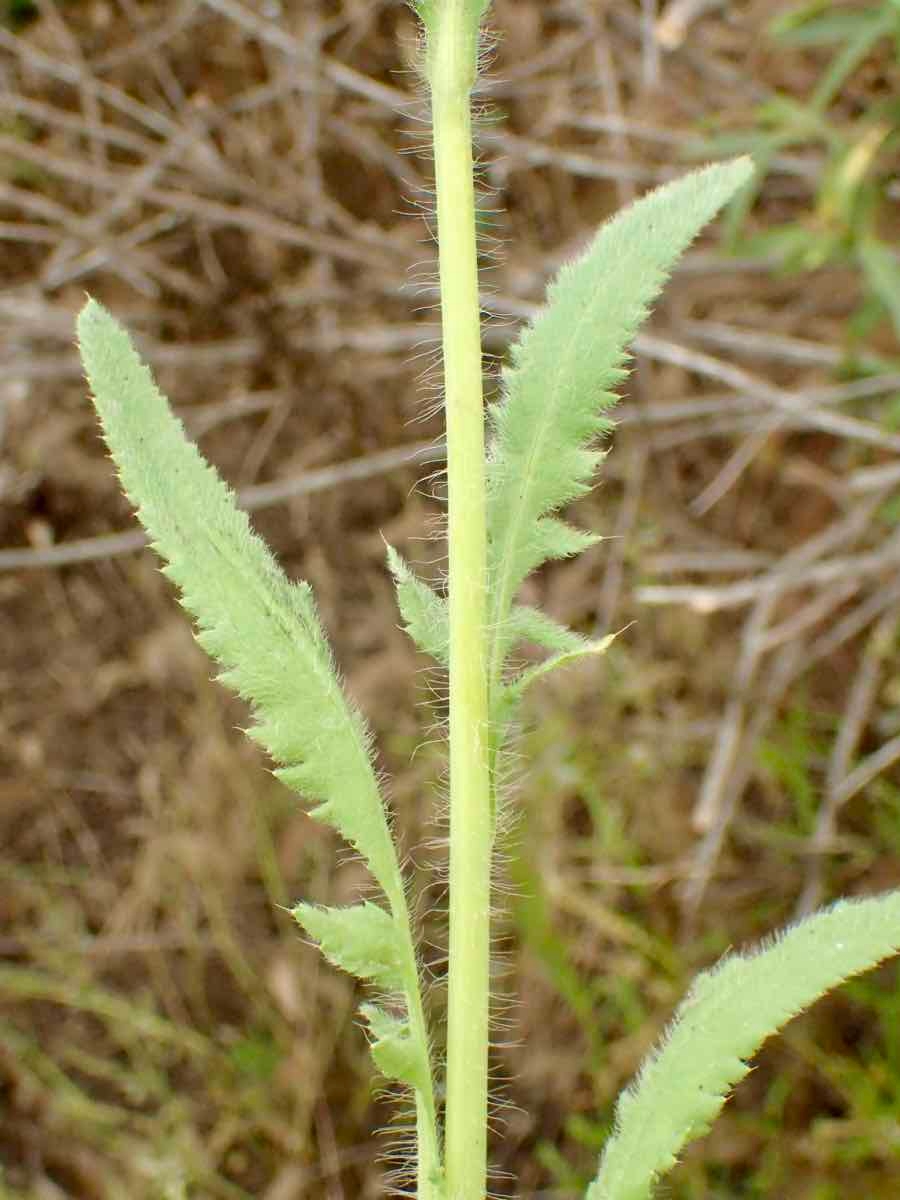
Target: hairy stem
x,y
429,1170
429,1173
451,75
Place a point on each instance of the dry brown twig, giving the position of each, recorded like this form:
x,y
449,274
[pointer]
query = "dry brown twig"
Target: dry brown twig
x,y
253,498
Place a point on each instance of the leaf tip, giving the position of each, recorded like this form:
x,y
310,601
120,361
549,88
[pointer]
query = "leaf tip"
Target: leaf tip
x,y
394,561
89,316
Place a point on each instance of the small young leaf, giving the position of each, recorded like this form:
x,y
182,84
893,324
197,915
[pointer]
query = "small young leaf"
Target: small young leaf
x,y
396,1054
262,628
727,1015
564,659
506,698
564,367
531,625
424,612
361,939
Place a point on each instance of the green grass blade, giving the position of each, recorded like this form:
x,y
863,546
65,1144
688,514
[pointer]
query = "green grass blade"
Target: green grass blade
x,y
728,1013
883,274
870,29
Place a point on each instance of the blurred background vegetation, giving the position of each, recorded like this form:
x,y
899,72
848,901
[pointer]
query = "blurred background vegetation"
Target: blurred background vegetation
x,y
243,183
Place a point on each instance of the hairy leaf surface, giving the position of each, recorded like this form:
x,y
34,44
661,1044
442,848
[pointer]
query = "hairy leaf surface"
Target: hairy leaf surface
x,y
361,939
426,621
424,612
262,628
425,618
398,1055
563,369
728,1013
565,658
531,625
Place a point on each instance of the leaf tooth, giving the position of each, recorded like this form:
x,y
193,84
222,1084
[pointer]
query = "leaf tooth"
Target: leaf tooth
x,y
303,778
424,612
559,539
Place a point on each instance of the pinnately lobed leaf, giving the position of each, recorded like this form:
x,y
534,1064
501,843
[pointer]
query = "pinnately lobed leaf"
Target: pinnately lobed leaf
x,y
265,632
726,1016
262,628
564,367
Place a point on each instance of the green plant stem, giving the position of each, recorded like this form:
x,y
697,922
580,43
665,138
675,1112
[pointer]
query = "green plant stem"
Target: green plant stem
x,y
429,1174
429,1171
452,74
